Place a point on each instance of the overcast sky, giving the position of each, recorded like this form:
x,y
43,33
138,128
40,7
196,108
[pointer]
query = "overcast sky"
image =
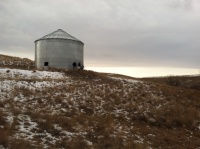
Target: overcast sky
x,y
164,33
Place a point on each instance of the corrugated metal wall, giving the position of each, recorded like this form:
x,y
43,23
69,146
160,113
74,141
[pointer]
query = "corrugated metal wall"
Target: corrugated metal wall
x,y
60,53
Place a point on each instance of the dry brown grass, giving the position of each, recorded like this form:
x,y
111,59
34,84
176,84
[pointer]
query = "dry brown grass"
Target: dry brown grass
x,y
24,144
191,82
16,62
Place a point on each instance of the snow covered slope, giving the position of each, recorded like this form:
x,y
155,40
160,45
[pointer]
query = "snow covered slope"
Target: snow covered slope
x,y
84,109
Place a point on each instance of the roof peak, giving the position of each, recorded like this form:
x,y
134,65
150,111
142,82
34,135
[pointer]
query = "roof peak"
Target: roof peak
x,y
59,34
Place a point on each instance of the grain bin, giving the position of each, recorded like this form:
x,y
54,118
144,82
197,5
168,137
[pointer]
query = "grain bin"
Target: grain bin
x,y
59,50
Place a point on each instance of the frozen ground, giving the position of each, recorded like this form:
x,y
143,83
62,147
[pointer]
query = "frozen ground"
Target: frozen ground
x,y
53,109
27,74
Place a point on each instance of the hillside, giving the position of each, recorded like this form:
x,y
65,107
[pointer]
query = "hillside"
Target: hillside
x,y
85,109
189,82
15,62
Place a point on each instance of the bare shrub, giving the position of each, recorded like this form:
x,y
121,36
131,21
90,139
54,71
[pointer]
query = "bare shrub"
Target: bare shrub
x,y
2,118
172,80
2,103
78,143
195,85
4,138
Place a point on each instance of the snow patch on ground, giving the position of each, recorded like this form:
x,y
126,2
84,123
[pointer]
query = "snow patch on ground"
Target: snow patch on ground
x,y
26,127
27,74
127,80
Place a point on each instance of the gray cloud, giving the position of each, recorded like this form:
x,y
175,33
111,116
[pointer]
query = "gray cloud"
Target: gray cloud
x,y
115,32
183,4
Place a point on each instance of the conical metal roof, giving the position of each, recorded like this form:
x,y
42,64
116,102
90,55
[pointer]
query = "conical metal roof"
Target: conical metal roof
x,y
59,34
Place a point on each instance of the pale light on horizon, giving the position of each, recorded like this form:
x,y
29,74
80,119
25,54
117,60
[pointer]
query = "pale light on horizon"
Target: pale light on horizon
x,y
129,71
146,71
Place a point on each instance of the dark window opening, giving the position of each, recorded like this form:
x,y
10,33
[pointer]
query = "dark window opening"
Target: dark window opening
x,y
46,63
